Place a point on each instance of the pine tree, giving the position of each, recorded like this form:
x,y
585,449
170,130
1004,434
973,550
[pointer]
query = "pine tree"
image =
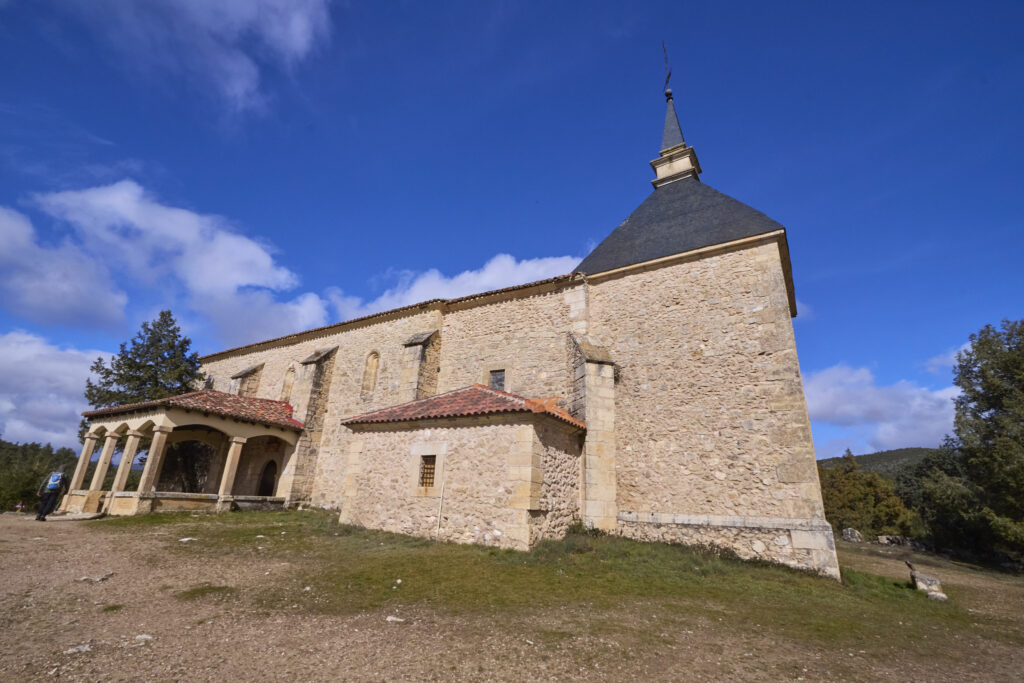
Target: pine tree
x,y
989,429
156,363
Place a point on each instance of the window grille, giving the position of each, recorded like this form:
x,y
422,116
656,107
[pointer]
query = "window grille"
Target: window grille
x,y
428,463
498,380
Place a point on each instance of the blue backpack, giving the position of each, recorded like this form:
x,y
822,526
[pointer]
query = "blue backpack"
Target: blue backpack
x,y
54,483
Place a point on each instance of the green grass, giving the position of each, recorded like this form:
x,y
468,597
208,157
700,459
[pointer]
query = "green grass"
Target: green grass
x,y
112,608
350,569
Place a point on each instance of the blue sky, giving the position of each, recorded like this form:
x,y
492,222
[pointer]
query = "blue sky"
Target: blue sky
x,y
263,166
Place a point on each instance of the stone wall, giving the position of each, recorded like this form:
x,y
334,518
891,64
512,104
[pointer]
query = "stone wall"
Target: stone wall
x,y
709,409
701,403
710,417
472,467
559,450
256,453
385,335
479,491
802,545
524,335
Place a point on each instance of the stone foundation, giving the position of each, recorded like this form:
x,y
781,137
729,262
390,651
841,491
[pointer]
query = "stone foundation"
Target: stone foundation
x,y
798,543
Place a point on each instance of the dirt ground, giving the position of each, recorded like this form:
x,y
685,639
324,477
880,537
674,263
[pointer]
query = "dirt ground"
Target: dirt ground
x,y
135,625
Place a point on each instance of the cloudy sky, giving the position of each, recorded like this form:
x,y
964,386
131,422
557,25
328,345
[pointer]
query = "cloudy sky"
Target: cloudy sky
x,y
265,166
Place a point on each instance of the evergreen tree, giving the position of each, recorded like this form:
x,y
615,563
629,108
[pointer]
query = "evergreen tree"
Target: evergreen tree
x,y
156,363
23,468
864,500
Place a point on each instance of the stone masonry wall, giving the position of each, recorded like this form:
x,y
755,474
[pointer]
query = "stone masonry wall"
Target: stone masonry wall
x,y
472,465
430,367
386,336
799,548
559,449
256,453
478,479
525,336
709,410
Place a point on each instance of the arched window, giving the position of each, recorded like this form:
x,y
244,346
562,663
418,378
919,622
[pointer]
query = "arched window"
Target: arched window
x,y
370,373
289,382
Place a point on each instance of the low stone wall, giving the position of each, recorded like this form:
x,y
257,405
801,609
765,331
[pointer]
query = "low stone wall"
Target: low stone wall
x,y
799,543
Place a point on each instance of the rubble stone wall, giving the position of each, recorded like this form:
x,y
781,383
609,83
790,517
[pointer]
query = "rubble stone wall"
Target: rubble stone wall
x,y
710,417
525,336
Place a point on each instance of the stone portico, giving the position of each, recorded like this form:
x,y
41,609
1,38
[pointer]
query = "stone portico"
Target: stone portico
x,y
250,443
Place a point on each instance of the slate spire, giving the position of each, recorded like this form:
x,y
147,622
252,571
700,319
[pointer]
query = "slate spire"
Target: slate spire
x,y
673,135
677,160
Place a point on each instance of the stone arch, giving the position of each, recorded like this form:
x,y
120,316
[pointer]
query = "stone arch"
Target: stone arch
x,y
267,485
257,454
370,372
194,459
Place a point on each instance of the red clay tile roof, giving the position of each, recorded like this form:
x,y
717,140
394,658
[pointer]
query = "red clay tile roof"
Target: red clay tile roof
x,y
245,408
474,400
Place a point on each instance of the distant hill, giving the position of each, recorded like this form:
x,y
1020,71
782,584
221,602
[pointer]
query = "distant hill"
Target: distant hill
x,y
885,463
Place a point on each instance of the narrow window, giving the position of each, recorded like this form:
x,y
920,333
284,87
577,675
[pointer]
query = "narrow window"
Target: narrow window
x,y
289,382
370,372
498,380
427,465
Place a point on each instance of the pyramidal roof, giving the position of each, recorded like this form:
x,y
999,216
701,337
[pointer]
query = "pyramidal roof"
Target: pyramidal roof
x,y
682,214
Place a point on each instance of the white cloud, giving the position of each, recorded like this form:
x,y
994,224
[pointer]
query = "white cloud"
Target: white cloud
x,y
944,362
223,45
892,416
228,277
53,284
501,271
804,311
203,251
245,317
41,388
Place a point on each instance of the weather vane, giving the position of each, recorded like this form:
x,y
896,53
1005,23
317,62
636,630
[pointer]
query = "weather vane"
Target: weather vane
x,y
668,71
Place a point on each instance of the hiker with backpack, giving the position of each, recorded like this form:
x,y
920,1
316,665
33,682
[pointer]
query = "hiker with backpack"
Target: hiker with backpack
x,y
52,488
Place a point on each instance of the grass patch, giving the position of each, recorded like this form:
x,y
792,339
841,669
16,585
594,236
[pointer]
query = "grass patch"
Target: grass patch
x,y
350,569
204,590
112,608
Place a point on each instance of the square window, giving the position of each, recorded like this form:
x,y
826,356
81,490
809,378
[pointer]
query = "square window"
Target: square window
x,y
498,380
427,465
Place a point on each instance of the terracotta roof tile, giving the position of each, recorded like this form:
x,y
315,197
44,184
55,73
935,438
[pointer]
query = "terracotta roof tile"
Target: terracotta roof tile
x,y
474,400
245,408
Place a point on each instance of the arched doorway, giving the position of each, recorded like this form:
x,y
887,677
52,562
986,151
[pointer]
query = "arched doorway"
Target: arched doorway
x,y
268,480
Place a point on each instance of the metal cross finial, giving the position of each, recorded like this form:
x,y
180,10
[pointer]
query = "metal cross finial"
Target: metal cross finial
x,y
668,72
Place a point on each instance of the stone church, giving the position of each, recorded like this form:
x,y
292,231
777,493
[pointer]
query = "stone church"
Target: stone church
x,y
654,392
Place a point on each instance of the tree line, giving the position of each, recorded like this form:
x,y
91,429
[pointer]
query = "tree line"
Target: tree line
x,y
967,497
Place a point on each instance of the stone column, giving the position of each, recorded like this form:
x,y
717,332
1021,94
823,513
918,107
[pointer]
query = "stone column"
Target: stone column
x,y
227,480
125,466
154,460
83,462
104,462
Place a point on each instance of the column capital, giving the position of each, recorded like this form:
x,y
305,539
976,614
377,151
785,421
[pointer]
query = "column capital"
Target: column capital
x,y
135,432
238,439
112,435
92,435
163,429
